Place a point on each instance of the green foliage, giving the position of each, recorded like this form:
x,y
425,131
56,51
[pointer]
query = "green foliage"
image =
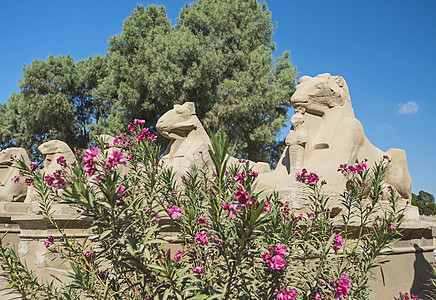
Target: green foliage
x,y
218,55
55,102
234,243
425,202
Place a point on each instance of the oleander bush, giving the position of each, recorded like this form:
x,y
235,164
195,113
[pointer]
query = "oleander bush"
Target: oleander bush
x,y
235,243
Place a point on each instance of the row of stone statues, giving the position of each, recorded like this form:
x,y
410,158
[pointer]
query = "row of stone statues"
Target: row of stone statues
x,y
18,191
324,134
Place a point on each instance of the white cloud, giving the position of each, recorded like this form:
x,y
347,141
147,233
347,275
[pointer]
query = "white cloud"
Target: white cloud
x,y
408,108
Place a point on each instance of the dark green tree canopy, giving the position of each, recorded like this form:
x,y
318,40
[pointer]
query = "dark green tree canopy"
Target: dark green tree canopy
x,y
55,103
425,202
218,55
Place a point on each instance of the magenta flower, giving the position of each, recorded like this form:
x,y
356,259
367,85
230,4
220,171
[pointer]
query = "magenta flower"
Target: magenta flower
x,y
139,122
338,242
33,166
243,197
178,255
89,160
305,177
202,220
239,177
152,138
61,161
318,296
140,138
252,173
130,128
284,294
231,208
48,242
197,270
202,238
405,296
49,179
28,181
275,258
116,158
267,207
16,179
342,286
121,192
312,178
175,212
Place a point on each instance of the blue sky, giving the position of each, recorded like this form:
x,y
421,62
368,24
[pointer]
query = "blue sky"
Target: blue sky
x,y
383,49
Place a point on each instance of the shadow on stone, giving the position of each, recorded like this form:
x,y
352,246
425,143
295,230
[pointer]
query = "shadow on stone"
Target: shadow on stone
x,y
423,272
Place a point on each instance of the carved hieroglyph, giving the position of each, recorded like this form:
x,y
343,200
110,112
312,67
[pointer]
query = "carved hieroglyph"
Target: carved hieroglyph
x,y
10,191
189,141
325,134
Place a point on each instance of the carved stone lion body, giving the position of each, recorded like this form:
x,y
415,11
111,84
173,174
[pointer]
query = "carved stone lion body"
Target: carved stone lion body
x,y
327,135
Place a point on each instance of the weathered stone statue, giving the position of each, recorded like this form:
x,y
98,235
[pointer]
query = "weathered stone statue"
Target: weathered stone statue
x,y
52,151
189,141
9,190
325,134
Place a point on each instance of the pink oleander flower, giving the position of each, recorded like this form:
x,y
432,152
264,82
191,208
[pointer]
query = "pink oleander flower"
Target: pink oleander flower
x,y
130,128
267,207
239,177
305,177
342,286
178,255
202,238
301,176
89,160
275,258
312,178
252,173
152,138
33,166
139,122
140,138
231,208
338,242
16,179
405,296
175,212
49,241
202,220
61,161
284,294
115,159
318,296
197,270
49,179
121,192
243,197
